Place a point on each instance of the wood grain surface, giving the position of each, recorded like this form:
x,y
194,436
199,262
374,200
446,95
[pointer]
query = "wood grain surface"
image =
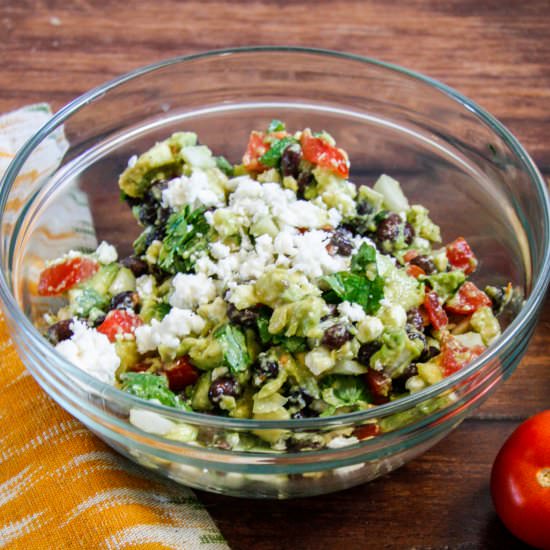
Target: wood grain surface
x,y
495,51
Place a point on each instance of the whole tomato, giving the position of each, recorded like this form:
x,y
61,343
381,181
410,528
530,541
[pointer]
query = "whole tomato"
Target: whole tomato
x,y
520,481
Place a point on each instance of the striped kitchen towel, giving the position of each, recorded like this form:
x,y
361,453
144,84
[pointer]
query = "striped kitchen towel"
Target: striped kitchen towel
x,y
60,486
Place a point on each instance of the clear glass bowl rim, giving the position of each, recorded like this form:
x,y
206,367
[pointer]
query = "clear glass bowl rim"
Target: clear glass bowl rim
x,y
522,320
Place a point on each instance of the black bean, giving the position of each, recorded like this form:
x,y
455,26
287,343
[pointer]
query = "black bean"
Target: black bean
x,y
263,369
246,317
135,265
336,336
340,242
364,208
60,331
366,351
399,383
299,399
408,233
223,386
428,353
415,319
389,228
98,320
290,161
304,179
163,215
125,300
424,263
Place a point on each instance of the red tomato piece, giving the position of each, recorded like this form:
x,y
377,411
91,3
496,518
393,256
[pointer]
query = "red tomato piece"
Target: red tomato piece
x,y
60,277
119,321
181,373
436,314
318,151
367,430
520,481
455,356
257,147
467,300
379,385
461,256
415,271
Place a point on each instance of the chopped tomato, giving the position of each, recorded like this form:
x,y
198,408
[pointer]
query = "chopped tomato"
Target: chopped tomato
x,y
60,277
460,255
367,430
409,255
119,321
467,300
317,151
257,147
379,385
415,271
455,356
436,314
180,374
259,144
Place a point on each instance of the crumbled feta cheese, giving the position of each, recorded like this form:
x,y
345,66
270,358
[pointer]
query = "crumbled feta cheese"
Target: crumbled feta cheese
x,y
219,250
168,332
196,190
354,312
91,351
369,329
106,253
191,291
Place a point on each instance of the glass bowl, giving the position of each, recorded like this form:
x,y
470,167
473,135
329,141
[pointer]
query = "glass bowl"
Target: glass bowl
x,y
448,154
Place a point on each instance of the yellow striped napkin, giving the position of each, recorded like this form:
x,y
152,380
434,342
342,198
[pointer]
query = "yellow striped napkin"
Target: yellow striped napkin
x,y
60,486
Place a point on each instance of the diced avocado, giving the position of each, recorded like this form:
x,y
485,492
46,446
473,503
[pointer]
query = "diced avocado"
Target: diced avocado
x,y
280,286
243,296
83,300
264,225
123,282
486,324
243,406
272,436
300,318
206,353
423,226
335,192
199,399
371,196
445,284
128,354
394,198
470,339
401,289
396,353
430,372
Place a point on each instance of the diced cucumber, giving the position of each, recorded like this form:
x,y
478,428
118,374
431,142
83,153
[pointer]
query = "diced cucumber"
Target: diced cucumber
x,y
123,282
394,198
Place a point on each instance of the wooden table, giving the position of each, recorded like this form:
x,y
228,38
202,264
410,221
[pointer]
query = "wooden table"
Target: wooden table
x,y
495,51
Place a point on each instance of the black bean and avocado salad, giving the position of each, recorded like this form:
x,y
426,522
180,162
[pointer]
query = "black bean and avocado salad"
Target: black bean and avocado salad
x,y
273,289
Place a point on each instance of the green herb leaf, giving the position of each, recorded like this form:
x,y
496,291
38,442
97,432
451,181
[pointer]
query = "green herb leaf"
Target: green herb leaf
x,y
362,258
272,157
276,126
358,289
186,235
233,344
340,390
225,166
146,385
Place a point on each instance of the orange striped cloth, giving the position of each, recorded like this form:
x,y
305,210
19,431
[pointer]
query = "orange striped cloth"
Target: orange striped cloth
x,y
60,486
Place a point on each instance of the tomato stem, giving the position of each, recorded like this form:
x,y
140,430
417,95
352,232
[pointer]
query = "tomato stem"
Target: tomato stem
x,y
543,477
